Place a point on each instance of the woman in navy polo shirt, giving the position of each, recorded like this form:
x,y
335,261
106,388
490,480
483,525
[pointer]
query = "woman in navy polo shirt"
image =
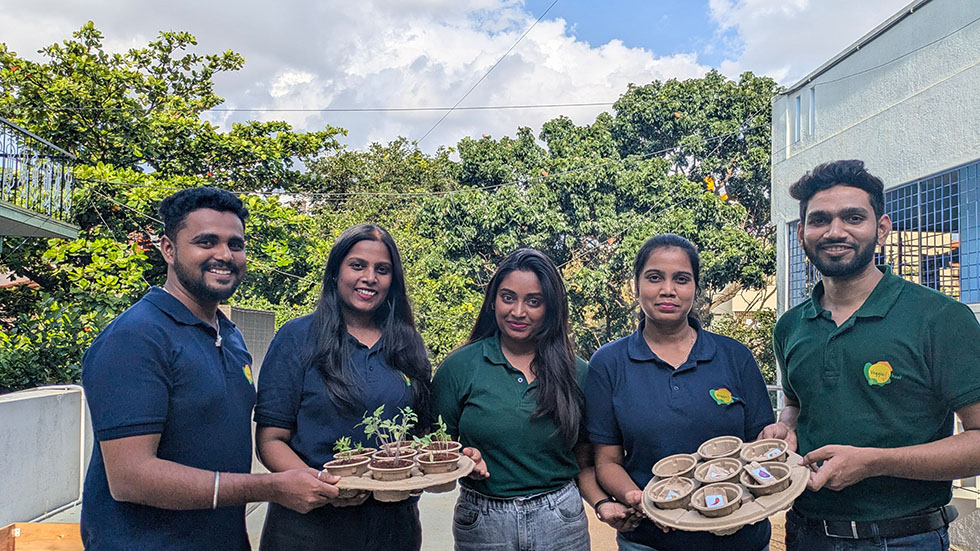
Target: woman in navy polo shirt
x,y
514,392
358,350
652,394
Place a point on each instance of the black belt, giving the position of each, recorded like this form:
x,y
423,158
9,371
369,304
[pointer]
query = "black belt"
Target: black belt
x,y
917,523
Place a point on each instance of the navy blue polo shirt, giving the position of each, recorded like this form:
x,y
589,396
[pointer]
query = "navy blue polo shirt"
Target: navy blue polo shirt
x,y
156,370
637,401
293,395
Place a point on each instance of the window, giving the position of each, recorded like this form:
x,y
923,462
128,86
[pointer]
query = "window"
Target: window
x,y
797,121
935,238
802,274
813,111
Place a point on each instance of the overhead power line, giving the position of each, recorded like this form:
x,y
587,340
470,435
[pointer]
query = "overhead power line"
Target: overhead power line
x,y
350,109
528,180
485,75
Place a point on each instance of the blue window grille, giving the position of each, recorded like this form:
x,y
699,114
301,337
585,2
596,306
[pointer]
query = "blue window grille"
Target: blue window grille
x,y
802,274
935,238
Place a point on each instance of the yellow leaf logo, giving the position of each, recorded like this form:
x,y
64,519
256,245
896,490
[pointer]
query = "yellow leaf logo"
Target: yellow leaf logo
x,y
878,373
248,374
722,396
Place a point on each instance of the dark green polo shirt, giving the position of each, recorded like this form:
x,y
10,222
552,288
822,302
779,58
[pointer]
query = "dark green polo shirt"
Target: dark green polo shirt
x,y
489,405
889,376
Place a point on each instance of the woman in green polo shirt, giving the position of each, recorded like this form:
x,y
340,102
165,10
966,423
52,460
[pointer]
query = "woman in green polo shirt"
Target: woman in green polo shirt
x,y
513,391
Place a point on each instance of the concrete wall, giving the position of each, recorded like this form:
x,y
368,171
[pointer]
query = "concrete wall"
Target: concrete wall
x,y
45,443
907,103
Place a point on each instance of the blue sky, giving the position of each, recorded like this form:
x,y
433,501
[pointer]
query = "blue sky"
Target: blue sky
x,y
323,54
661,26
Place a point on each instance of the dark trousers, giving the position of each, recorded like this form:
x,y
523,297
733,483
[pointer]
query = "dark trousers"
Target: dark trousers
x,y
372,526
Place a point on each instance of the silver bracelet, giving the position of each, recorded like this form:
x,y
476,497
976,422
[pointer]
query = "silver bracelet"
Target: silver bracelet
x,y
217,480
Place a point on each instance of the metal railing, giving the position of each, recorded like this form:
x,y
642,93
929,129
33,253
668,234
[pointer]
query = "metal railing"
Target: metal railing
x,y
35,174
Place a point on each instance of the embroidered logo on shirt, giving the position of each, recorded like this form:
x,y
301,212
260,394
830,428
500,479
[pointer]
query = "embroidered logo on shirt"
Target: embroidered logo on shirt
x,y
879,373
723,396
248,373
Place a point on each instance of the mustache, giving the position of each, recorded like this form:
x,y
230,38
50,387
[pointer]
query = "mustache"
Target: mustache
x,y
831,242
224,265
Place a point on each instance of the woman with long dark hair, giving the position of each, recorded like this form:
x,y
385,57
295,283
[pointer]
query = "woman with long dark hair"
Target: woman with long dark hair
x,y
358,350
666,389
514,392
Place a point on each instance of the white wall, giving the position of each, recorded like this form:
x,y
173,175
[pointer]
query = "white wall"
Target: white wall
x,y
45,443
907,116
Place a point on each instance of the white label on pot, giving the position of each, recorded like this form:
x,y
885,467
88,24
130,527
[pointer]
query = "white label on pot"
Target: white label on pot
x,y
762,475
772,453
715,471
672,495
714,501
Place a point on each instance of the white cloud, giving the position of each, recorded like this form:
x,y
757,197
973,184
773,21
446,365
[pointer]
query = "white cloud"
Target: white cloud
x,y
786,39
373,53
316,54
287,81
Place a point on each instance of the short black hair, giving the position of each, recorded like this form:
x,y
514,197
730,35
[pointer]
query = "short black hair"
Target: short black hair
x,y
839,173
174,209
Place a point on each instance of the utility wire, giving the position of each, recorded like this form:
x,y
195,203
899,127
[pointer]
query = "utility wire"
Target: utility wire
x,y
893,60
352,194
160,222
349,109
451,109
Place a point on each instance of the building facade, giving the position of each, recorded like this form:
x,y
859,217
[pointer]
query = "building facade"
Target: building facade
x,y
905,99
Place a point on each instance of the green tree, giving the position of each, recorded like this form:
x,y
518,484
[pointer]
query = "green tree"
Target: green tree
x,y
708,126
142,109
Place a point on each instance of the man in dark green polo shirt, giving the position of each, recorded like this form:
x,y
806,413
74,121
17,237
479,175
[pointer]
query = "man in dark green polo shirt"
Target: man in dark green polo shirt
x,y
873,369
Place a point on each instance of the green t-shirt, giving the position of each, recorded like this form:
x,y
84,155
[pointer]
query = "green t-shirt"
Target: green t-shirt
x,y
489,404
890,376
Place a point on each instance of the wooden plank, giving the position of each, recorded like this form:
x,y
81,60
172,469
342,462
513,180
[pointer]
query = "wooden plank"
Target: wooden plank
x,y
40,536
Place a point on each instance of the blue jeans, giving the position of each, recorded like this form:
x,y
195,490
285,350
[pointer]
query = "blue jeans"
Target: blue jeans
x,y
627,545
553,521
801,537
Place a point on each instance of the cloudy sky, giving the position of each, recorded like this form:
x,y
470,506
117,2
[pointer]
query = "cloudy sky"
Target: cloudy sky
x,y
319,54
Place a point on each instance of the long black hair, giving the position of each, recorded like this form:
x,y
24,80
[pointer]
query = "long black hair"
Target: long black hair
x,y
559,395
400,340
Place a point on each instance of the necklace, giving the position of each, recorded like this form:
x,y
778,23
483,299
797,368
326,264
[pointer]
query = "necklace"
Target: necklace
x,y
216,325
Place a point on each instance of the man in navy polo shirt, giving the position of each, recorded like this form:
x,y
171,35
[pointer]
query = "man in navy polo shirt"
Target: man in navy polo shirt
x,y
873,369
170,390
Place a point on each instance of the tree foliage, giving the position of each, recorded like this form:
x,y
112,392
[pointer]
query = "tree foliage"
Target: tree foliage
x,y
588,196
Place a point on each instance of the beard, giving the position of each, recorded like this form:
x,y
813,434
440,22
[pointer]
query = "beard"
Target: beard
x,y
195,285
863,255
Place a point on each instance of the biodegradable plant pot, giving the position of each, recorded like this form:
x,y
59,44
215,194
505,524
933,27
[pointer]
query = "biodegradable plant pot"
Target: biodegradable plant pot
x,y
403,453
722,446
443,446
363,452
733,495
675,465
440,462
762,451
703,472
355,465
682,486
386,469
782,478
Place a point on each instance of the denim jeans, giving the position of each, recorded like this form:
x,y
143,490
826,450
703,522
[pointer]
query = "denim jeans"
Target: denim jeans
x,y
801,537
627,545
553,521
